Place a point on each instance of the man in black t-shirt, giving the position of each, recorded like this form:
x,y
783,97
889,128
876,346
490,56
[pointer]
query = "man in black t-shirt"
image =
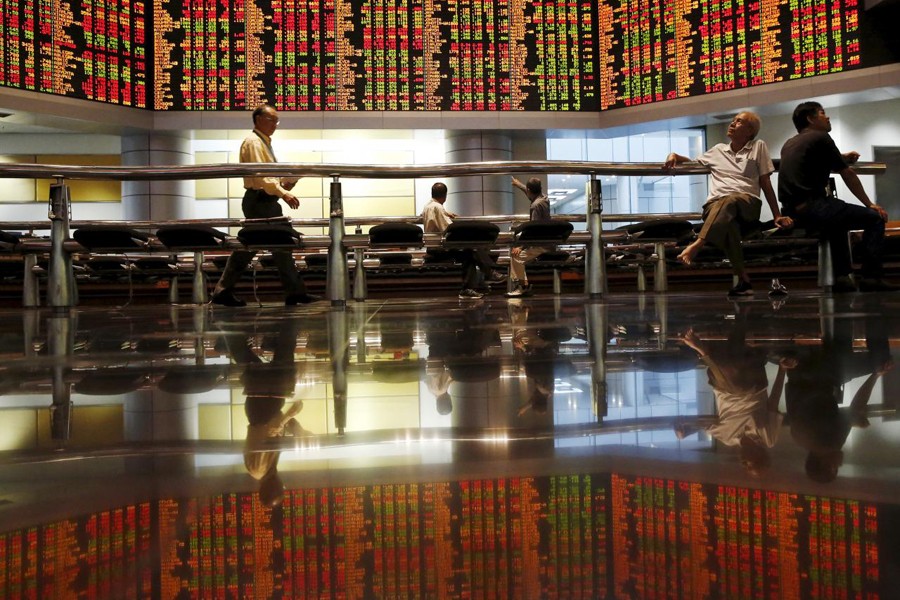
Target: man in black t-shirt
x,y
807,161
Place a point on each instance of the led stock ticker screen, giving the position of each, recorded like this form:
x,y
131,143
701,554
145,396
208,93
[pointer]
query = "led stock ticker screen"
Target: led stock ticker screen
x,y
595,535
421,55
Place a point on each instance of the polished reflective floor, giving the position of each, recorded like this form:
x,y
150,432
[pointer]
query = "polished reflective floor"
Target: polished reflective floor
x,y
642,446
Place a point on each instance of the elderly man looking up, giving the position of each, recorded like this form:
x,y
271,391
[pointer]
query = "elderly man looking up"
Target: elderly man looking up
x,y
738,171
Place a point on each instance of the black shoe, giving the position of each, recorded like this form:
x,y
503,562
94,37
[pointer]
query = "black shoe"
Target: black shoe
x,y
227,298
867,284
496,277
470,294
778,290
843,285
743,288
295,299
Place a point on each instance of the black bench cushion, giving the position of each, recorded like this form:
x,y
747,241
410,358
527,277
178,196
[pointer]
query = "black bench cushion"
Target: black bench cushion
x,y
396,259
395,234
8,240
196,379
190,237
270,236
555,231
316,260
111,381
661,229
108,237
462,232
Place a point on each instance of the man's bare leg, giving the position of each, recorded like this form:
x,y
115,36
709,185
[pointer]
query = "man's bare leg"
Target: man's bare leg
x,y
687,255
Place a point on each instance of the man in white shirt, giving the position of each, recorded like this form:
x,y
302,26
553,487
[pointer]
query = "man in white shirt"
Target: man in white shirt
x,y
436,219
738,171
261,195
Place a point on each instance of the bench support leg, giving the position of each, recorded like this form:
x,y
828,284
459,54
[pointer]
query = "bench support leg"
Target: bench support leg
x,y
198,288
557,282
826,271
31,294
641,279
360,289
660,278
173,289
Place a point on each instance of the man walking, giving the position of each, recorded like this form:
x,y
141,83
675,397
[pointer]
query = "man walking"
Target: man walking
x,y
260,201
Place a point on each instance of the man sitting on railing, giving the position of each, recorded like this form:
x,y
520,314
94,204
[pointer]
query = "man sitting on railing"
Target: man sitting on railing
x,y
435,219
260,201
807,161
738,171
518,256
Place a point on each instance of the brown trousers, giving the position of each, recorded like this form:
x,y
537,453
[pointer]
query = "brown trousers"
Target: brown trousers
x,y
722,221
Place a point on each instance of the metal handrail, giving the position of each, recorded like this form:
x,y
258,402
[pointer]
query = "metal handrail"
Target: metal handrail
x,y
349,221
215,171
61,288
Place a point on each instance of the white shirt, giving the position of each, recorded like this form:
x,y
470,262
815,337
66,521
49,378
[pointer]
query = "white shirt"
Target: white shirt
x,y
745,414
737,172
435,218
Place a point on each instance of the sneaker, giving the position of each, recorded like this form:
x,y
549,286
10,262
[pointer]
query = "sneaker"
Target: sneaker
x,y
777,290
843,285
497,277
295,299
227,298
867,284
743,288
519,290
470,294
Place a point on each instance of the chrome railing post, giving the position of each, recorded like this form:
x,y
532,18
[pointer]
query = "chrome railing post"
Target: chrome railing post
x,y
338,348
597,321
61,284
31,293
595,263
338,276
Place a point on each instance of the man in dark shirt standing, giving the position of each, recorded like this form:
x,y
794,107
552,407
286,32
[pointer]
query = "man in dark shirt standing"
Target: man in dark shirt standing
x,y
518,256
807,161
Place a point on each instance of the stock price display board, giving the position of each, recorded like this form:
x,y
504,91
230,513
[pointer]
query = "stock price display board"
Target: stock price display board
x,y
580,535
90,49
421,55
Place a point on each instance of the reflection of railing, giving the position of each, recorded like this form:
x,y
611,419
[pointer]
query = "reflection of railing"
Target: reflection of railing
x,y
61,287
216,171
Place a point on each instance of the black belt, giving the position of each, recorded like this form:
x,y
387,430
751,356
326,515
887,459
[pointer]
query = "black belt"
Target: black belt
x,y
265,195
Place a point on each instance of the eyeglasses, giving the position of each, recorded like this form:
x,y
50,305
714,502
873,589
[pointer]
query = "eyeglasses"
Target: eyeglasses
x,y
271,118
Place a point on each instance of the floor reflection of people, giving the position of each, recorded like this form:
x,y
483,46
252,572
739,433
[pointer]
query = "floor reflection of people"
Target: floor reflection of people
x,y
268,386
457,349
267,419
438,380
815,391
747,413
538,349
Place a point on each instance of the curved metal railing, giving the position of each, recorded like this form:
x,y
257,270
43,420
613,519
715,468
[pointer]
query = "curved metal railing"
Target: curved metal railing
x,y
61,287
216,171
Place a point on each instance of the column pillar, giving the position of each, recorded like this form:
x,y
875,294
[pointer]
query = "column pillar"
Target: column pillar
x,y
479,194
157,200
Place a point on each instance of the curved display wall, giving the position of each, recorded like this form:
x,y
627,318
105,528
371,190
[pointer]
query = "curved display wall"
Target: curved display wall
x,y
413,55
